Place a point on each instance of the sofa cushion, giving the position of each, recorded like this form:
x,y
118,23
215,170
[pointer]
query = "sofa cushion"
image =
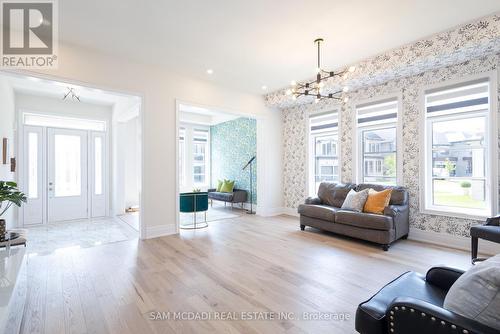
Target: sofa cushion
x,y
370,316
476,293
364,220
323,212
399,195
334,194
218,196
325,192
355,201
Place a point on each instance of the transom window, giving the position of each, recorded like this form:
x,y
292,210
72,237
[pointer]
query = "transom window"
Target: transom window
x,y
323,156
377,143
458,144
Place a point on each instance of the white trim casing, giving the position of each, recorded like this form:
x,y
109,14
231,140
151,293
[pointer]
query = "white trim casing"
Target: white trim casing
x,y
310,165
492,158
357,141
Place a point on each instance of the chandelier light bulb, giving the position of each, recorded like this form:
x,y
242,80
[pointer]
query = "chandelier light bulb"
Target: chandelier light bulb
x,y
345,89
293,83
352,69
316,87
346,99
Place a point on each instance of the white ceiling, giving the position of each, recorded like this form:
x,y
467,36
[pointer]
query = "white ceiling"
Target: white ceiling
x,y
249,44
203,116
55,89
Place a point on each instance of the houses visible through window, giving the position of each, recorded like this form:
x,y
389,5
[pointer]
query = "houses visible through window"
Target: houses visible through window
x,y
194,156
323,152
377,141
200,142
458,149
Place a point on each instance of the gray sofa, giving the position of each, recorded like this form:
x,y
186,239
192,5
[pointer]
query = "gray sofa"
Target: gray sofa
x,y
324,212
237,196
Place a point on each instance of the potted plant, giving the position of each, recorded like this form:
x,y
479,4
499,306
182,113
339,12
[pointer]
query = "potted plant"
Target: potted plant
x,y
9,195
466,187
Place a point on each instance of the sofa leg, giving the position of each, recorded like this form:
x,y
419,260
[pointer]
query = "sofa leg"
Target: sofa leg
x,y
385,247
404,237
302,227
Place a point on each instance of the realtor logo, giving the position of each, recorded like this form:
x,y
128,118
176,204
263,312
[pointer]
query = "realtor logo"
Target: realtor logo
x,y
29,34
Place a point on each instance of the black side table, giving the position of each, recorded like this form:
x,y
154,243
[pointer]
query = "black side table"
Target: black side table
x,y
489,231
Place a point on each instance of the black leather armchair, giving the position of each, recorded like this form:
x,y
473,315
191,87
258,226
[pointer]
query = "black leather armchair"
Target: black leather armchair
x,y
413,303
489,231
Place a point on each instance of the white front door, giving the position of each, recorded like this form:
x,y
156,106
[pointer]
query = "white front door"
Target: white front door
x,y
67,174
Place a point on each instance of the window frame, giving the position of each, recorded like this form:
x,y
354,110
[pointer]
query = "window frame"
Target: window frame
x,y
310,154
206,157
358,159
491,136
187,184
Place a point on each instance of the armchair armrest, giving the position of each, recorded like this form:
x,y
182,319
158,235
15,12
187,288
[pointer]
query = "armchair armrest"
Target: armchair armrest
x,y
443,277
409,315
401,217
211,190
493,221
313,200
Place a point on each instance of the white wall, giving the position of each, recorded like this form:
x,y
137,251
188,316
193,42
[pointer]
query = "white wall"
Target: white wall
x,y
132,159
160,89
68,108
7,130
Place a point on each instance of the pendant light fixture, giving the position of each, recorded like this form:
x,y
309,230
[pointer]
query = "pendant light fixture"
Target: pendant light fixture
x,y
316,88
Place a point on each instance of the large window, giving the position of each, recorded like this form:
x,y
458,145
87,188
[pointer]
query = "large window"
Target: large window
x,y
200,144
194,156
324,152
458,148
377,142
182,155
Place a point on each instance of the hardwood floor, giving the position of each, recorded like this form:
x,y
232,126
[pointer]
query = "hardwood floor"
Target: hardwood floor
x,y
245,264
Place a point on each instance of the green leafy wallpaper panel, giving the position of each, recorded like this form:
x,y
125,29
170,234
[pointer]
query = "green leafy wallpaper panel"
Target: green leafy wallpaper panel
x,y
232,144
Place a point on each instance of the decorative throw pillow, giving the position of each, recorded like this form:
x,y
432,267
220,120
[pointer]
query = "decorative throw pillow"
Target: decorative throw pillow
x,y
219,185
227,186
476,294
377,201
355,201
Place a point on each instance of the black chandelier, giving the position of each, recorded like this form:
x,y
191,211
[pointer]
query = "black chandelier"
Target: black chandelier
x,y
315,88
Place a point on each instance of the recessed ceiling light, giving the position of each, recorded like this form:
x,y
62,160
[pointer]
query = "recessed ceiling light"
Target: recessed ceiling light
x,y
210,71
264,87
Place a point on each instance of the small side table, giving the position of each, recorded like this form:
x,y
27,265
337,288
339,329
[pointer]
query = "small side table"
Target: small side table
x,y
489,231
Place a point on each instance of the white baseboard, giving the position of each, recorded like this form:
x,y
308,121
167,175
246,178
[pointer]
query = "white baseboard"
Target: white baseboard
x,y
269,212
290,212
159,231
452,241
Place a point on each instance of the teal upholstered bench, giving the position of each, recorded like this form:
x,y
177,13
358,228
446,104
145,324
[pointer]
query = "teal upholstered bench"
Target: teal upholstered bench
x,y
192,203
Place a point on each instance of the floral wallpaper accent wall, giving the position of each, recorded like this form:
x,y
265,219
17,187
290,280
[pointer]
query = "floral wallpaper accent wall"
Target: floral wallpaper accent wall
x,y
410,88
457,45
232,144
